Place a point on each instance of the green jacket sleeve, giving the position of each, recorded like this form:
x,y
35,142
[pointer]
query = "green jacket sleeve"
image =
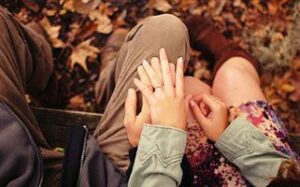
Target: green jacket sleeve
x,y
158,157
251,151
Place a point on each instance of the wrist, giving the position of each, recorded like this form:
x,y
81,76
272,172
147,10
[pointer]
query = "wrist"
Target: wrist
x,y
168,124
219,132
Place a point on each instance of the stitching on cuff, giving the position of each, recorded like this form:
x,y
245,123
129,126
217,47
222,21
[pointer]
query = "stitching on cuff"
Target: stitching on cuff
x,y
155,151
249,136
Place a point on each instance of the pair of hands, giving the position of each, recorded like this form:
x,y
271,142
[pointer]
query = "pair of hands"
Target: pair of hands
x,y
163,97
164,103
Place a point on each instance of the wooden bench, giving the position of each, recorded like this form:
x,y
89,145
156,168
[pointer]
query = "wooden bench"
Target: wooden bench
x,y
55,123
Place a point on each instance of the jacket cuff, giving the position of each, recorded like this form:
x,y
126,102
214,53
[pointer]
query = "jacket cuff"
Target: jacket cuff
x,y
165,142
251,151
233,142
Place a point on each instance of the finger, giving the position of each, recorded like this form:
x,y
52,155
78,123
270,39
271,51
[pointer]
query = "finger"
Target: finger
x,y
204,109
166,72
130,108
187,102
144,115
179,77
173,69
144,77
151,74
197,97
201,119
144,89
157,68
210,102
145,106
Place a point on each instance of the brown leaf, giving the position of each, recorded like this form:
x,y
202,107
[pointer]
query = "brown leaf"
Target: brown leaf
x,y
273,7
104,23
160,5
50,12
67,5
293,77
288,88
81,6
258,6
120,21
81,52
106,9
77,102
269,92
277,37
53,33
295,80
81,32
85,6
188,4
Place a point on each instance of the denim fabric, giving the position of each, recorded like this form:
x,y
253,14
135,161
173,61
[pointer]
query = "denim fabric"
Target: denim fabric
x,y
159,157
251,151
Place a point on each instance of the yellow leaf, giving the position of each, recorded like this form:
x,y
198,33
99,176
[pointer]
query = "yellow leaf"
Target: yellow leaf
x,y
77,100
81,52
80,6
53,33
160,5
67,5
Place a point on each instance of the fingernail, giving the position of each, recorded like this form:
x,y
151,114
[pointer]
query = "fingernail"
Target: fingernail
x,y
180,59
131,90
192,103
145,62
140,67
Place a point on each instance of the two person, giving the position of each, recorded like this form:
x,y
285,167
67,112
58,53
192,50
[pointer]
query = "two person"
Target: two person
x,y
163,140
27,67
250,137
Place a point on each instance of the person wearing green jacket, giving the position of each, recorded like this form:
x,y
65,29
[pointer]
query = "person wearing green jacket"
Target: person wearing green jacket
x,y
161,143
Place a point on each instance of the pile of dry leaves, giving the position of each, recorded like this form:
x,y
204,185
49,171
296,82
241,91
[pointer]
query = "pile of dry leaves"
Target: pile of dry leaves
x,y
78,30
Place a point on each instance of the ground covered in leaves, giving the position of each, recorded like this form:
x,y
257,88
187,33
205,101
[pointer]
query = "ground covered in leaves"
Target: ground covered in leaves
x,y
78,31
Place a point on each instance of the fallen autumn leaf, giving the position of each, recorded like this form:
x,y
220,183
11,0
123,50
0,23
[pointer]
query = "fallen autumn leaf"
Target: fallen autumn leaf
x,y
81,52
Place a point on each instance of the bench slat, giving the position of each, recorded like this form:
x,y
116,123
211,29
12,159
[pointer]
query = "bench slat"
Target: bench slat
x,y
55,123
